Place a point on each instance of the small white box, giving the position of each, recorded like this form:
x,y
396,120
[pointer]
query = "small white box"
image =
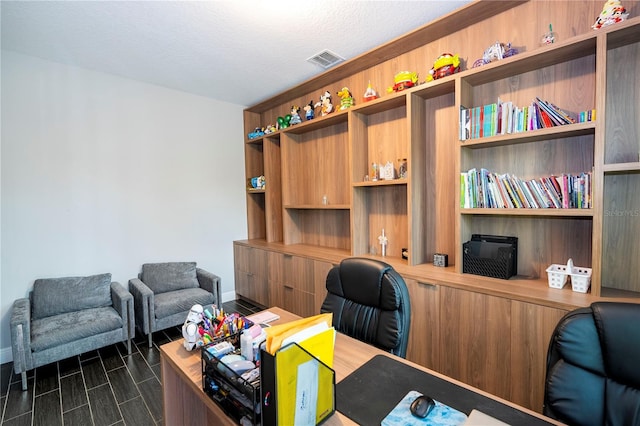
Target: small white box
x,y
580,279
557,275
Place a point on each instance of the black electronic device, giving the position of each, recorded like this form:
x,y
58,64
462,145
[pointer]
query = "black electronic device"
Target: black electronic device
x,y
422,406
490,256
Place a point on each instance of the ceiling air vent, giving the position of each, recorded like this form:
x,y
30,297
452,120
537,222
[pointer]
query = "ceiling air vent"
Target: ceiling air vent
x,y
325,59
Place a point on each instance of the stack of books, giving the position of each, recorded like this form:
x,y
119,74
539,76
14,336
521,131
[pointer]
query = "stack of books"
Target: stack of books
x,y
485,189
504,118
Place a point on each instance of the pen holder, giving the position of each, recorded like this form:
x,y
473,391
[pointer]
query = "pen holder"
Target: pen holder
x,y
239,398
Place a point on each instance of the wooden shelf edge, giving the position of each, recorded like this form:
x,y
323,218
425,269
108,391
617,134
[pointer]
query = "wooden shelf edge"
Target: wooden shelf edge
x,y
317,206
255,191
529,212
556,132
622,33
633,167
328,120
384,103
380,183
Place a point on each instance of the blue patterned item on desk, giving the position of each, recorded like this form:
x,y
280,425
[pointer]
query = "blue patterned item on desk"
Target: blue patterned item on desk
x,y
441,415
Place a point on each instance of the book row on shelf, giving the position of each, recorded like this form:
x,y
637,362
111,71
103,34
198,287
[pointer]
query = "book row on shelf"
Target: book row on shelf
x,y
502,118
485,189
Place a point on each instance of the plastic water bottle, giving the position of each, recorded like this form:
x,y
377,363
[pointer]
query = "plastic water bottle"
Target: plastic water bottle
x,y
246,345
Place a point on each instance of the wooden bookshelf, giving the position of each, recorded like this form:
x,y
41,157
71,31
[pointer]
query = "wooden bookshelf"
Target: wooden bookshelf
x,y
330,157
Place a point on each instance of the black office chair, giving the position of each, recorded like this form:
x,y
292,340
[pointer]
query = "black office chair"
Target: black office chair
x,y
593,373
370,302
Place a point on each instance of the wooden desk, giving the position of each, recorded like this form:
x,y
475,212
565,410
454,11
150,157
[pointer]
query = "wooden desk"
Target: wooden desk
x,y
185,403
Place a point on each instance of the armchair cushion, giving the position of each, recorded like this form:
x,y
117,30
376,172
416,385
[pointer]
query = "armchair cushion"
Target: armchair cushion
x,y
174,302
164,277
65,328
55,296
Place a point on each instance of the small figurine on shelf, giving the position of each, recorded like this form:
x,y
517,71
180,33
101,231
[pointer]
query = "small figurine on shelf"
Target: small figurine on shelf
x,y
387,172
346,100
369,94
283,122
445,65
383,242
612,12
325,103
271,128
258,132
257,182
309,110
402,168
548,37
495,52
403,80
295,115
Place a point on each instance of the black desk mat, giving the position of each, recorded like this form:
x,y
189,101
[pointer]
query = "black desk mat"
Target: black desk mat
x,y
368,394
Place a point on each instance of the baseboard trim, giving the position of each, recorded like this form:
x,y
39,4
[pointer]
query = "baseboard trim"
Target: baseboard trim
x,y
229,295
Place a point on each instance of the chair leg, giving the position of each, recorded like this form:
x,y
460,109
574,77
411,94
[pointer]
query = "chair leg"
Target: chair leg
x,y
150,339
129,346
24,380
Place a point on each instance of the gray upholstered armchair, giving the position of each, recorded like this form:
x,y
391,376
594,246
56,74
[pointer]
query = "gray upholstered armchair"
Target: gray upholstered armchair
x,y
63,317
164,292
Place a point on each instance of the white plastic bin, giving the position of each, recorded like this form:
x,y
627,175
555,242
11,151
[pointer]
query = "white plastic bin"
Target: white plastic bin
x,y
557,275
580,279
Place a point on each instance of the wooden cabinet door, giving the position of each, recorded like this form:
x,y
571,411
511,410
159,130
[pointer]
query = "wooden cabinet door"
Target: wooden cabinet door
x,y
291,284
251,274
320,271
275,278
475,338
424,337
299,273
299,302
531,329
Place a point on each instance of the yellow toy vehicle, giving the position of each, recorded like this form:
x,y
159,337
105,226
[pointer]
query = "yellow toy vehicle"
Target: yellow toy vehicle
x,y
403,80
445,65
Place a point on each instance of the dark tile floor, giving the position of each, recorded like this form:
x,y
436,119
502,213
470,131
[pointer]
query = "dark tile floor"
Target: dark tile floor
x,y
103,387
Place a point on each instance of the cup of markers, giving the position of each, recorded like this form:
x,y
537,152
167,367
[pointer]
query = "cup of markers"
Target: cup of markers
x,y
218,324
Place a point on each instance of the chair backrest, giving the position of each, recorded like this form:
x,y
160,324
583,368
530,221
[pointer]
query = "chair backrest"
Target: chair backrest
x,y
593,376
370,302
169,276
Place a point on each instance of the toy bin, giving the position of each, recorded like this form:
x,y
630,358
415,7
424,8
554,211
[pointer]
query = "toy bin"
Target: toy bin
x,y
558,274
580,279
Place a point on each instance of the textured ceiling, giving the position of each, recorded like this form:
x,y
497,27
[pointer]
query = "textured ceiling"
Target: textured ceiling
x,y
235,51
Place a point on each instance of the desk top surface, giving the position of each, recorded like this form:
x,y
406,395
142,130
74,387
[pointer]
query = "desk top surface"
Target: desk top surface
x,y
350,354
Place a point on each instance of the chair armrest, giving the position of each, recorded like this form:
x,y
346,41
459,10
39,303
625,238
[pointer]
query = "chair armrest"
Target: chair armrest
x,y
143,302
21,335
211,283
123,303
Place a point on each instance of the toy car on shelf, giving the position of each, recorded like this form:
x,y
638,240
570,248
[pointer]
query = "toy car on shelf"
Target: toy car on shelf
x,y
445,65
403,80
258,132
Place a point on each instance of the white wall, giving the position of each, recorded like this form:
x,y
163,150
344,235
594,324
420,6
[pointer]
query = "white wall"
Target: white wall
x,y
102,174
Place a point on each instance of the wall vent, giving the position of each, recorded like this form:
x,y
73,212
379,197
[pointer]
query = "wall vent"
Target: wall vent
x,y
325,59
